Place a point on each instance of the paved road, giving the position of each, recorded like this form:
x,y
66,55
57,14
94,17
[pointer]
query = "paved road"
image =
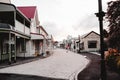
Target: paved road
x,y
92,72
61,64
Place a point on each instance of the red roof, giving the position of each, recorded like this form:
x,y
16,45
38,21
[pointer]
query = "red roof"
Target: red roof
x,y
28,11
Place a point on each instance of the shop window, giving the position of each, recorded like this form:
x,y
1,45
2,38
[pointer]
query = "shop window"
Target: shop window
x,y
92,44
5,48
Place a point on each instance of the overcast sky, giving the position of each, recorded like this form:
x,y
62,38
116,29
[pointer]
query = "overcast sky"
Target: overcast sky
x,y
66,17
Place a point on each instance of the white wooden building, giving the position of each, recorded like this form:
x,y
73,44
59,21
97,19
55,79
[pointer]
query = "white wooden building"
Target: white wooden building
x,y
86,43
38,42
14,32
90,42
20,32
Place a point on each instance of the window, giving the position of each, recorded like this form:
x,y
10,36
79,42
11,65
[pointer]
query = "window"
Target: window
x,y
21,45
92,44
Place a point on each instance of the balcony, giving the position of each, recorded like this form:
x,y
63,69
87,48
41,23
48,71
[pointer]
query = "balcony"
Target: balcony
x,y
22,28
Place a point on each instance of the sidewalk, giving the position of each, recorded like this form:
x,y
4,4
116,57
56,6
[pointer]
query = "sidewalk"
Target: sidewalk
x,y
21,60
61,64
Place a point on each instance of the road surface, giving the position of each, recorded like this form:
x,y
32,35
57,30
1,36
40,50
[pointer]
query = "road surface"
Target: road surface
x,y
61,64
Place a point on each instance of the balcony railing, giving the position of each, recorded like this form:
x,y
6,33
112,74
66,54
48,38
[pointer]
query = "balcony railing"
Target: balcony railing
x,y
22,28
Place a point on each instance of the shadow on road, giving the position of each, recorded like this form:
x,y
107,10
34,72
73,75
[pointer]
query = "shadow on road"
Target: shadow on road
x,y
7,76
92,71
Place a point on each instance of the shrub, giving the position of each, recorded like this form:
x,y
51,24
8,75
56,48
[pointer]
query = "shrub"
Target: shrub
x,y
118,62
113,59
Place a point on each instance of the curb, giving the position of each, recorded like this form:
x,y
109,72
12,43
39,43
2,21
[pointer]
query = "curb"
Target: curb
x,y
74,76
95,53
25,61
79,71
20,62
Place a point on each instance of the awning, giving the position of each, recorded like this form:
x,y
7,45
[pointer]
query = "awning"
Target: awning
x,y
36,37
22,36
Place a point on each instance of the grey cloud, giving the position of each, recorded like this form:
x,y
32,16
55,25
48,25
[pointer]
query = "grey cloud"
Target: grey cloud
x,y
88,23
51,28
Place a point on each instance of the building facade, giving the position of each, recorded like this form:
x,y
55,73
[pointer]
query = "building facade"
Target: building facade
x,y
20,33
85,43
38,42
90,42
14,32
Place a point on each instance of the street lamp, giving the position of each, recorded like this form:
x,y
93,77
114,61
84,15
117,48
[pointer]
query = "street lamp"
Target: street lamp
x,y
100,16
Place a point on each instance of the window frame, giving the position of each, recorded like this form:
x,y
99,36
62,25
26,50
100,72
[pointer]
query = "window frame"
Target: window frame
x,y
92,44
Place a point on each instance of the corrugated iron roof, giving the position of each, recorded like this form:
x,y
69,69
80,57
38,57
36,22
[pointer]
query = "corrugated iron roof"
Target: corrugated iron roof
x,y
28,11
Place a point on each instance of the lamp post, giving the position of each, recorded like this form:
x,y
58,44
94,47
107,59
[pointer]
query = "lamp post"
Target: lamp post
x,y
100,16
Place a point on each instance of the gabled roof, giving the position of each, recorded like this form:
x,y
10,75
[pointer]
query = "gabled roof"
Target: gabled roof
x,y
43,30
85,35
28,11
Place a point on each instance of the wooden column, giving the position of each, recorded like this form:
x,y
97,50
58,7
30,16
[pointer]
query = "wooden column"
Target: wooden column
x,y
1,44
15,49
9,50
24,48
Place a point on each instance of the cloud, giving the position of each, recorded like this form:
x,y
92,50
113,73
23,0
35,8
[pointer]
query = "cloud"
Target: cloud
x,y
66,17
87,24
53,29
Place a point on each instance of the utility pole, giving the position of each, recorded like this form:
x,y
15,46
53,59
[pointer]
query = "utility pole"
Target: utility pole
x,y
100,16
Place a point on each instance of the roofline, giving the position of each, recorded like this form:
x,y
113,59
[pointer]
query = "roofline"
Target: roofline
x,y
90,33
15,9
22,14
9,4
28,7
44,30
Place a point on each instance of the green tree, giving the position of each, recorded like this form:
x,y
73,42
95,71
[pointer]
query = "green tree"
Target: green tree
x,y
113,17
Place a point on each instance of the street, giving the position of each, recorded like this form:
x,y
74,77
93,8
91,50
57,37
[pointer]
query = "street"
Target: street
x,y
61,64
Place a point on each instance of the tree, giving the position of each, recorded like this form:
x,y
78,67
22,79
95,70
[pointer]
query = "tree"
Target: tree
x,y
113,17
105,33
